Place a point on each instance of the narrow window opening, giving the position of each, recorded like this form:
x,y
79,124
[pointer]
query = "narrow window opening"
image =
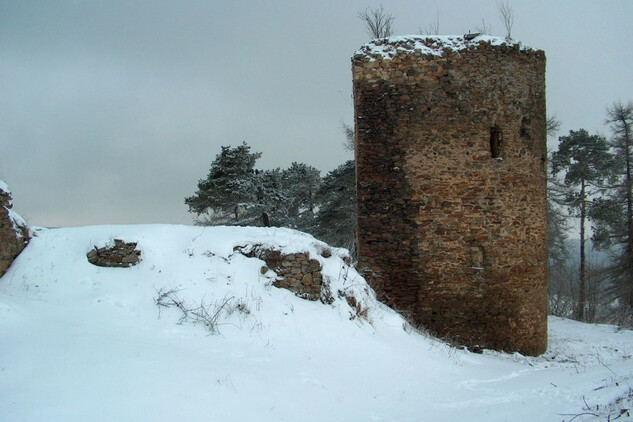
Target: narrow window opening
x,y
526,128
496,142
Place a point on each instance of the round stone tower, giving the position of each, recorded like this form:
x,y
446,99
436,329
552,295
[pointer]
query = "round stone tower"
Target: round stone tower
x,y
451,185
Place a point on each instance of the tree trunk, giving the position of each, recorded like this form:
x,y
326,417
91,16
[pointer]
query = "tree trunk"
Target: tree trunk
x,y
629,215
582,288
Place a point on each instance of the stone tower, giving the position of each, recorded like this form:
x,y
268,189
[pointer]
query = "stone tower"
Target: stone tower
x,y
451,185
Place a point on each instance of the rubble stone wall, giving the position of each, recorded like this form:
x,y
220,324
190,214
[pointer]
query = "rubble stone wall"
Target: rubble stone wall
x,y
121,254
451,182
296,272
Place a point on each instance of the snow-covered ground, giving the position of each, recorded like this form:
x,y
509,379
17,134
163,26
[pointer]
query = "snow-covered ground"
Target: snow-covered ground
x,y
84,343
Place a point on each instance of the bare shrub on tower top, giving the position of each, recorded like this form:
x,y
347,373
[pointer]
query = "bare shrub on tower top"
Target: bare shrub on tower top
x,y
378,23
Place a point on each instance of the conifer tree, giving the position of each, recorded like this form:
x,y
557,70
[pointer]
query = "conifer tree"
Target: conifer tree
x,y
614,212
585,161
235,193
230,189
269,205
300,183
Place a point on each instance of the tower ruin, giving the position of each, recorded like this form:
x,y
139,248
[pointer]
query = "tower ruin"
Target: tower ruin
x,y
451,185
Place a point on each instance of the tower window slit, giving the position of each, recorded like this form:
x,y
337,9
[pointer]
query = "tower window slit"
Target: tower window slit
x,y
496,142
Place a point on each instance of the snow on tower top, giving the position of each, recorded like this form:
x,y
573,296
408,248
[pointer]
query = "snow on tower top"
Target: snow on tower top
x,y
4,187
435,45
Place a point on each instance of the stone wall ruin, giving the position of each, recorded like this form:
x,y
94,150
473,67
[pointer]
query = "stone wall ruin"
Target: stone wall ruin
x,y
296,272
451,177
119,254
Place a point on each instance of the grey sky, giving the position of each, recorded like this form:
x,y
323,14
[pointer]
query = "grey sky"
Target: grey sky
x,y
112,110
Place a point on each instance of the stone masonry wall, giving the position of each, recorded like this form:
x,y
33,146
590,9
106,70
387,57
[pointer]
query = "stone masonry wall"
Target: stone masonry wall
x,y
296,272
14,234
451,176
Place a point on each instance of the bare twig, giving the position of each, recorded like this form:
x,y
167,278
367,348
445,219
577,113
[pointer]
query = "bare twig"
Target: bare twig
x,y
433,28
378,23
507,17
484,28
348,130
578,415
208,315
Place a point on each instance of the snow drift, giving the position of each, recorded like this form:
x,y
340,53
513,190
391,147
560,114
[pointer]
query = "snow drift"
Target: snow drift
x,y
196,331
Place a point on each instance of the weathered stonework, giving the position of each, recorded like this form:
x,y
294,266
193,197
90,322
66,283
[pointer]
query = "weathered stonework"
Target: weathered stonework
x,y
121,254
451,176
296,272
14,234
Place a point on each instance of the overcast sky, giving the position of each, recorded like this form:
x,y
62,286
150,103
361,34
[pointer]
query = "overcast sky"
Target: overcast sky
x,y
110,111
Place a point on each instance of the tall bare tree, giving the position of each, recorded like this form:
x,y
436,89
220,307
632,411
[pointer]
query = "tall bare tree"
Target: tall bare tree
x,y
507,17
557,225
552,125
378,23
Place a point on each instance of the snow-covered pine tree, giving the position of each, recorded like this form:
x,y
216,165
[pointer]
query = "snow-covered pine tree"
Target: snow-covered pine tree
x,y
235,193
300,184
269,207
229,190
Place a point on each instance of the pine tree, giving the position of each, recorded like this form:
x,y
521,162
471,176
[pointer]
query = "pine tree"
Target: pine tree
x,y
230,189
614,212
585,161
268,208
300,184
235,193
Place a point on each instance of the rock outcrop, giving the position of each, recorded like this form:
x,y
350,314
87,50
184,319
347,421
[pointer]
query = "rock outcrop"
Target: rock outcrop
x,y
14,233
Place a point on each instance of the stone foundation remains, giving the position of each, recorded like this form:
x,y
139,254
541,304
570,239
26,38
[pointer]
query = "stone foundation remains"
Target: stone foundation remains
x,y
296,272
120,254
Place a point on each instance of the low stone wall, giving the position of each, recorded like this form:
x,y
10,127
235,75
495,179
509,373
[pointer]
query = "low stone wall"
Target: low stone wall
x,y
14,234
121,254
296,272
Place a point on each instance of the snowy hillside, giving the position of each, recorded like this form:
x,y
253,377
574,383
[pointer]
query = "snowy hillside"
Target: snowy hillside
x,y
86,343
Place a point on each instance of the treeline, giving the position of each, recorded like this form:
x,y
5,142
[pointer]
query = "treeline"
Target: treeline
x,y
235,192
